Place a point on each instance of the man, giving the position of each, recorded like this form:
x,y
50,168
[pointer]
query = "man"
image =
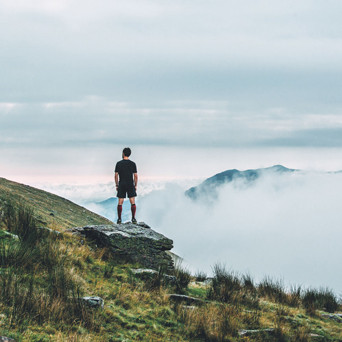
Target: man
x,y
126,181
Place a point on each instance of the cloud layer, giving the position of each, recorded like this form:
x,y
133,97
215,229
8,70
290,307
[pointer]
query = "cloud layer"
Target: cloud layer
x,y
284,226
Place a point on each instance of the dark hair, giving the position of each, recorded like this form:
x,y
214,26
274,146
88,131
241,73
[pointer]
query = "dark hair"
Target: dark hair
x,y
126,151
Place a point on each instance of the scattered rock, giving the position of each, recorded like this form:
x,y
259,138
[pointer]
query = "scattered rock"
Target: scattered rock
x,y
147,274
9,235
335,317
143,271
94,302
316,337
178,298
189,307
206,282
6,339
134,242
244,332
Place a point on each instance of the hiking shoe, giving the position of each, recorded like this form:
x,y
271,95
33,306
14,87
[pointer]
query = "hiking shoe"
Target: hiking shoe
x,y
118,221
134,220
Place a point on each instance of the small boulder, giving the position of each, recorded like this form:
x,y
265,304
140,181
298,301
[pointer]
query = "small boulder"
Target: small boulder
x,y
148,274
6,339
252,332
334,317
93,302
188,300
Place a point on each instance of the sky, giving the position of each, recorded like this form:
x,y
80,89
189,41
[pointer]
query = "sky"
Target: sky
x,y
193,88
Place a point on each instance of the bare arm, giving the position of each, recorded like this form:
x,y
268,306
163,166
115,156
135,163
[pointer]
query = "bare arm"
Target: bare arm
x,y
135,179
116,178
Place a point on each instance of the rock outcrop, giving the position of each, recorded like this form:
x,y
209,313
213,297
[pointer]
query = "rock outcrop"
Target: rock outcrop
x,y
135,242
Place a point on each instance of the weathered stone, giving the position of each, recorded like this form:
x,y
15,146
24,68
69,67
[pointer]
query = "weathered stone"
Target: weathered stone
x,y
4,233
178,298
135,242
335,317
244,332
147,274
143,271
6,339
94,302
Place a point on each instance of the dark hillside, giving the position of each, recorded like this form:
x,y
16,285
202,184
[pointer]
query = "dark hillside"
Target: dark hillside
x,y
209,187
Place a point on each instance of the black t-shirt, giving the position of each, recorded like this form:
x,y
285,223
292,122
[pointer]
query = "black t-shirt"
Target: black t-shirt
x,y
126,168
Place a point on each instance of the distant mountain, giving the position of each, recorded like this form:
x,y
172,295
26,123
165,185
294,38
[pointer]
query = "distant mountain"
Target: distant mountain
x,y
50,210
208,188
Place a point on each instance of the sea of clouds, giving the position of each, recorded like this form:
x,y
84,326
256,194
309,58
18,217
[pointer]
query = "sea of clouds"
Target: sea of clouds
x,y
286,226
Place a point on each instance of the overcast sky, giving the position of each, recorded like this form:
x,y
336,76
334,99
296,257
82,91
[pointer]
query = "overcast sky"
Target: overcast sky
x,y
82,79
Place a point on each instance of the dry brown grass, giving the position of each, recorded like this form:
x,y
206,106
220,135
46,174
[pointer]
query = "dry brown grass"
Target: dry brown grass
x,y
211,322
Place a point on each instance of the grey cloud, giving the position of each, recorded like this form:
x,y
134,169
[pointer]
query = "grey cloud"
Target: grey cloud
x,y
173,73
326,137
156,50
97,121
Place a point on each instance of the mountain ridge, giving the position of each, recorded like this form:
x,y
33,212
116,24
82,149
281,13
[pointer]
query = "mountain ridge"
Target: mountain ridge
x,y
209,186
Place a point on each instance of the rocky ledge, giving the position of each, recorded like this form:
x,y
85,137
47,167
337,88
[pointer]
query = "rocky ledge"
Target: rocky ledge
x,y
135,242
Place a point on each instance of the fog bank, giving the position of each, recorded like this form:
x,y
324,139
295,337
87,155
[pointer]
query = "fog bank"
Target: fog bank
x,y
285,226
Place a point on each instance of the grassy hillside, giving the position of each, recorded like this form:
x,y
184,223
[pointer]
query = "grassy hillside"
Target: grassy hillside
x,y
50,210
43,275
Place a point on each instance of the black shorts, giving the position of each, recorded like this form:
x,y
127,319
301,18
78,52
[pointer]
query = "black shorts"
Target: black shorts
x,y
126,189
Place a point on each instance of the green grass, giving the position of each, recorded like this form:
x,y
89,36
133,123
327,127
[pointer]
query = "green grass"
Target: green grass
x,y
50,210
42,275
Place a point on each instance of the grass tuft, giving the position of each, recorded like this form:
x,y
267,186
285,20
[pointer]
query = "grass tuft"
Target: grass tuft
x,y
322,299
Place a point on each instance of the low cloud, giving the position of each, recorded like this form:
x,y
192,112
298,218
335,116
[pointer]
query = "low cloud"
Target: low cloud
x,y
288,227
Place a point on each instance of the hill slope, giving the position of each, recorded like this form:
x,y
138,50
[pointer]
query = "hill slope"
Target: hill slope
x,y
44,276
50,210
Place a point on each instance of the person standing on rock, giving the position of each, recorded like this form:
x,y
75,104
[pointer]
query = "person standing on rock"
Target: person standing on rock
x,y
126,181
